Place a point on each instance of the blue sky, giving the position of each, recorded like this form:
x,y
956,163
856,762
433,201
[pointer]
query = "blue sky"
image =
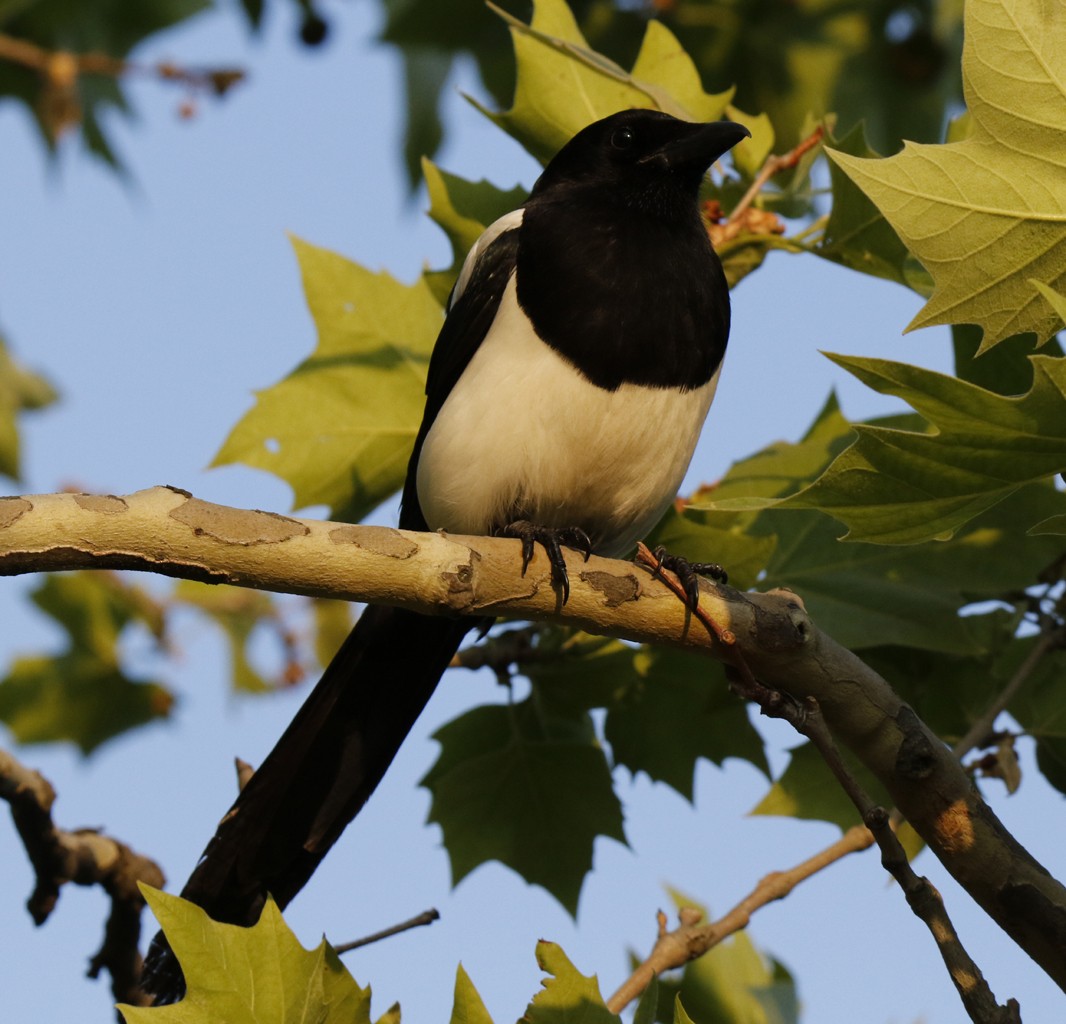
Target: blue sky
x,y
157,309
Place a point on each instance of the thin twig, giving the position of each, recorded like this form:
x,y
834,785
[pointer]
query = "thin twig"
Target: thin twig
x,y
426,917
62,63
692,939
85,857
981,729
922,897
672,949
775,165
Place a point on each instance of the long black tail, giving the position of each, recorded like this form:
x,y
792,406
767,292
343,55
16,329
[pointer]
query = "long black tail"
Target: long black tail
x,y
319,774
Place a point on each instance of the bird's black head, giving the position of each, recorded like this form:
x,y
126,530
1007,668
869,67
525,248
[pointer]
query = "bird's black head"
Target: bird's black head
x,y
640,158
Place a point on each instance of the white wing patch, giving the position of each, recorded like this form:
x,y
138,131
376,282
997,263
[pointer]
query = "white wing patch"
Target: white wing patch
x,y
507,222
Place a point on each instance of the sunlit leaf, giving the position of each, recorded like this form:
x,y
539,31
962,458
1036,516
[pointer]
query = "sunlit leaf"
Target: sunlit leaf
x,y
237,611
986,215
340,427
902,487
564,85
256,975
467,1006
568,996
21,390
732,982
83,695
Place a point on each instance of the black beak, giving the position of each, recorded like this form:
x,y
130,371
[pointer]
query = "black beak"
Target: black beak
x,y
697,146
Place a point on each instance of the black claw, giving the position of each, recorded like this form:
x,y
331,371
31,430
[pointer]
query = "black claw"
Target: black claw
x,y
689,573
551,539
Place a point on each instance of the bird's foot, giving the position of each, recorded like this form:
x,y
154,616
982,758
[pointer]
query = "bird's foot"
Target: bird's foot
x,y
689,573
551,538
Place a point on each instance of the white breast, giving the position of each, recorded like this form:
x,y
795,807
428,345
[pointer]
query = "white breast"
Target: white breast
x,y
523,434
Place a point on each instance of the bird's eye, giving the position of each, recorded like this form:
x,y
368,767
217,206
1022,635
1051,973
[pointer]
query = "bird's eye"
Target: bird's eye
x,y
622,139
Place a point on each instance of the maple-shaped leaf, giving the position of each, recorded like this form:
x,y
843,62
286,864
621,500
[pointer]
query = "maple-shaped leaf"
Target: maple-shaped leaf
x,y
665,709
83,695
21,390
868,594
857,235
987,215
237,611
88,27
468,1007
524,788
563,85
568,996
463,209
256,975
340,427
902,486
732,982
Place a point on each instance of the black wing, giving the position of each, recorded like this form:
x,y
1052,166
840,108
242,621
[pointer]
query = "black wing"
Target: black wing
x,y
465,327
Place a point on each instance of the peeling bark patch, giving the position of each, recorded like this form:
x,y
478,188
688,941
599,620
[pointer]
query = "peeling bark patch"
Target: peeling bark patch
x,y
236,526
955,828
12,510
107,503
615,589
378,541
916,757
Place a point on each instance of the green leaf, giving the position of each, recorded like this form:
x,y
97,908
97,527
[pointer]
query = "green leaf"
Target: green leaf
x,y
426,71
1054,525
568,997
1005,369
1039,707
951,691
467,1007
237,611
257,975
1056,300
79,27
665,709
807,789
675,710
340,427
82,695
982,214
732,983
563,85
21,390
648,1003
867,595
333,623
463,209
780,468
526,789
857,234
680,1016
903,487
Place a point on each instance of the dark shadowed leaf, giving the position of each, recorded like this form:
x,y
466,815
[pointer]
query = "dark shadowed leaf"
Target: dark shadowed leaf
x,y
530,790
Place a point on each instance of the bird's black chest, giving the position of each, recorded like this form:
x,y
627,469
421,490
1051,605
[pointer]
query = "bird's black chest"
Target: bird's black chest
x,y
623,297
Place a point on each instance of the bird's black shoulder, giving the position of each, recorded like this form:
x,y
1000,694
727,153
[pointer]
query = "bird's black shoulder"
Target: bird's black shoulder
x,y
471,309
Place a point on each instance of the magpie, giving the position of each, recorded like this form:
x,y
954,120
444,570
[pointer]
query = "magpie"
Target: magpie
x,y
564,397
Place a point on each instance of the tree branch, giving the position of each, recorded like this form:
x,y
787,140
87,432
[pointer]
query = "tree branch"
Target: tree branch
x,y
165,530
85,857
